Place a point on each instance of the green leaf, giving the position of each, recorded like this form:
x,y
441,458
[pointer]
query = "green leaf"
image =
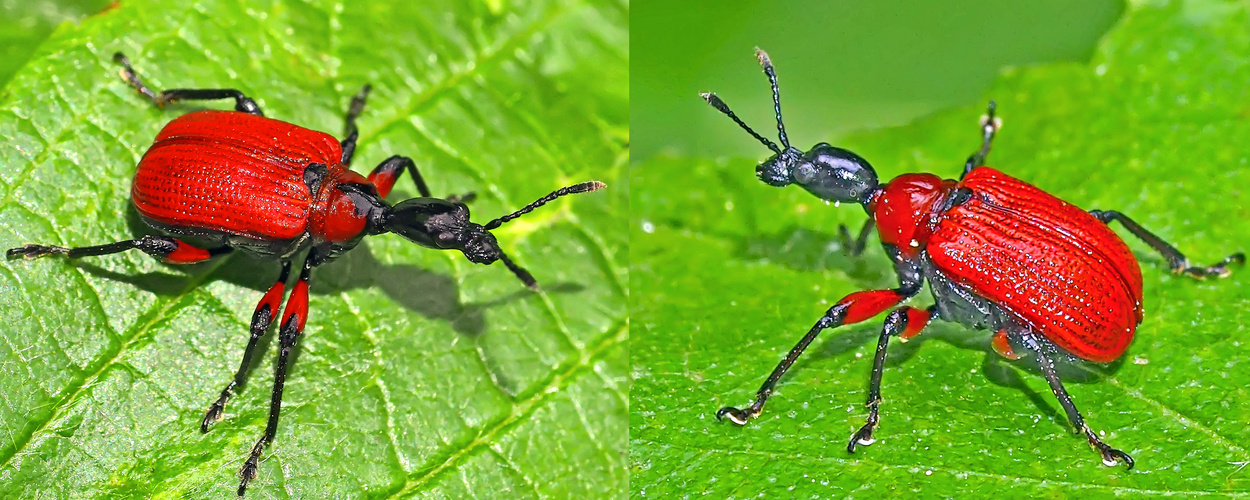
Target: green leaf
x,y
419,373
24,25
729,273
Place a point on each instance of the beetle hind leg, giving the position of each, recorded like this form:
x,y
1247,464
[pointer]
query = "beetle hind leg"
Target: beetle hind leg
x,y
1176,260
1110,456
242,103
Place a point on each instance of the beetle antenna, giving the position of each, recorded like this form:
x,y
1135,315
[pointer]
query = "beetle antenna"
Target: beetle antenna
x,y
584,187
519,271
772,80
720,105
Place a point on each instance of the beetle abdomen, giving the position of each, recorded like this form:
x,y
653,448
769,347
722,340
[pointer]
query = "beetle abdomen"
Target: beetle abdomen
x,y
231,172
1060,270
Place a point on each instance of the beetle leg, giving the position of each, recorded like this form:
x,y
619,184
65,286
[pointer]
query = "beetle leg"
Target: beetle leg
x,y
906,322
384,176
1110,456
1176,260
1003,346
242,103
293,318
349,124
266,311
853,308
170,250
990,125
856,246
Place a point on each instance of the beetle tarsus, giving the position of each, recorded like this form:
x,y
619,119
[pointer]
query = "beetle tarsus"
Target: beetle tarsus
x,y
1218,270
1176,260
132,78
740,417
990,125
34,251
248,472
213,415
1110,456
864,435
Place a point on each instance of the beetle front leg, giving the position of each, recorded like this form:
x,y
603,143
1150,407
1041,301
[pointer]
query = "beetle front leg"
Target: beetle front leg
x,y
853,308
384,176
1176,260
265,312
349,124
1110,456
906,322
170,250
242,103
293,318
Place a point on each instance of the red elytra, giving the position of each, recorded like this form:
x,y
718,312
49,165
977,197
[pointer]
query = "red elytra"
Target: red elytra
x,y
1052,265
998,253
238,180
244,175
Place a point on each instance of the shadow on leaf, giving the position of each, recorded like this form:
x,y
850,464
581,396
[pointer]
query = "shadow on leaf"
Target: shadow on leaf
x,y
806,250
432,295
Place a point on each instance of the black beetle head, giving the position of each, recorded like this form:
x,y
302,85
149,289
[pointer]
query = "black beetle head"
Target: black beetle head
x,y
445,225
442,224
830,173
778,169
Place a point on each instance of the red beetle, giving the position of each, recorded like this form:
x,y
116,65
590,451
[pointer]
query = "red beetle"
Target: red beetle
x,y
998,253
238,180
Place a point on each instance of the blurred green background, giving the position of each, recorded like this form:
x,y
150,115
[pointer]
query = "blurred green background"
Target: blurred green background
x,y
880,63
26,23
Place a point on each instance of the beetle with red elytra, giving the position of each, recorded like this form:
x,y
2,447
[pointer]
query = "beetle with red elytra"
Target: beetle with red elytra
x,y
238,180
999,254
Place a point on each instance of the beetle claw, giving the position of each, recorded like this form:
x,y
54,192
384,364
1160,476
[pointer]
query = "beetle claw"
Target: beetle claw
x,y
1218,270
212,416
1110,456
862,437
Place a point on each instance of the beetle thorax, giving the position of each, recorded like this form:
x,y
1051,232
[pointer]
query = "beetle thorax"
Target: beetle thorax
x,y
340,217
907,208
